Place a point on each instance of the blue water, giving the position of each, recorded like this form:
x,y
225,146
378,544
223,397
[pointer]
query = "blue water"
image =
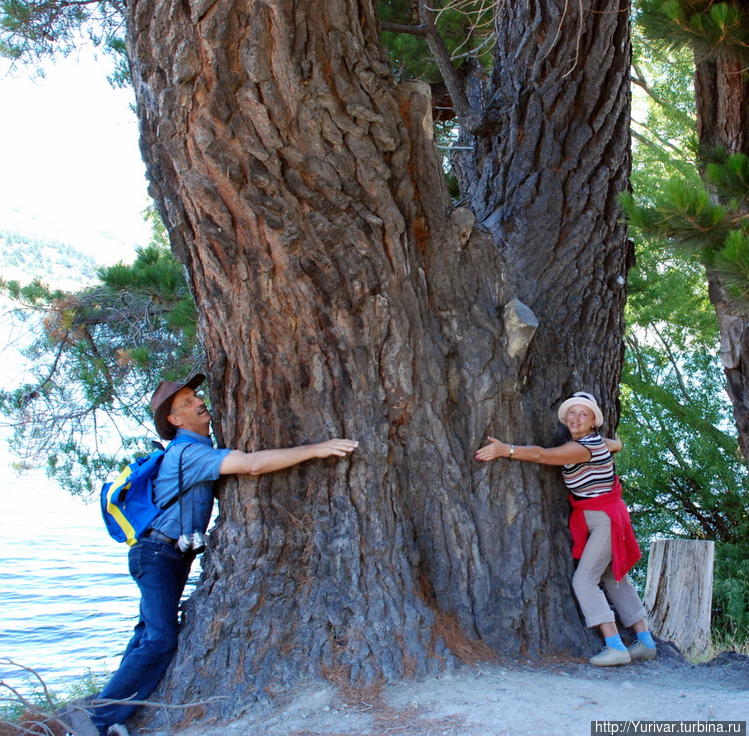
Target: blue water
x,y
67,601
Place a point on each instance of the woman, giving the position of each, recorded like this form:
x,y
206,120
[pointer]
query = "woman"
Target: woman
x,y
597,509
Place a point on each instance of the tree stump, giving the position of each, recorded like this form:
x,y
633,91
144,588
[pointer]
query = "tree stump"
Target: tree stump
x,y
679,592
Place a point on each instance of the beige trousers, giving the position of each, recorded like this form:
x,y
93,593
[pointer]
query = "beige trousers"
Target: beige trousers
x,y
595,568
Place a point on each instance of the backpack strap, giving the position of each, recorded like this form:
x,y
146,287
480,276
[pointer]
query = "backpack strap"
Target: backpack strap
x,y
180,483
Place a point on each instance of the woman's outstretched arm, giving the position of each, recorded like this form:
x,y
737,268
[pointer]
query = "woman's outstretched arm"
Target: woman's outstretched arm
x,y
567,454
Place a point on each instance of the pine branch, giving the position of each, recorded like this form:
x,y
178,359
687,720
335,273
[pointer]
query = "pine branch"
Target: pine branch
x,y
638,78
34,393
682,412
672,360
414,30
661,145
441,56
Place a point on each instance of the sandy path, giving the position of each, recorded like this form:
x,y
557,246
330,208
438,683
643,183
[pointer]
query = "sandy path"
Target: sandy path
x,y
509,700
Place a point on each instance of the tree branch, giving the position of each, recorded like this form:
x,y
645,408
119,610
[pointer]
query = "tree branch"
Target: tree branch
x,y
672,360
638,78
661,145
46,719
35,393
690,418
419,30
441,56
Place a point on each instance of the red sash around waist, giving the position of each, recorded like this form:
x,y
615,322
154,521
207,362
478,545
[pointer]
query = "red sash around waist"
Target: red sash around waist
x,y
624,548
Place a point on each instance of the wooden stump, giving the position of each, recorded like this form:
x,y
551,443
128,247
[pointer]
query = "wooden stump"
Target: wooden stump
x,y
679,592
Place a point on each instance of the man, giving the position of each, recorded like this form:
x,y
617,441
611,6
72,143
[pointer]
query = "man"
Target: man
x,y
160,561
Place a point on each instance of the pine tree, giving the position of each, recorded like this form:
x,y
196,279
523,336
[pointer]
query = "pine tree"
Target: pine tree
x,y
340,291
712,218
98,352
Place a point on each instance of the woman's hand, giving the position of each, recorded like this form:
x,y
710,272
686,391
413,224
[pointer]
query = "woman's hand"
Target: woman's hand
x,y
614,444
496,448
566,454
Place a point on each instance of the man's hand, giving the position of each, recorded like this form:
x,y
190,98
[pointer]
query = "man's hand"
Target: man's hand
x,y
339,448
268,461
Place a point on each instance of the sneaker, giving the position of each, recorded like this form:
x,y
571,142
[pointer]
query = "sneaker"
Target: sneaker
x,y
609,656
117,730
638,650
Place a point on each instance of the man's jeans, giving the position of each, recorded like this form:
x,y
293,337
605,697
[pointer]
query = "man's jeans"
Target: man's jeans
x,y
161,572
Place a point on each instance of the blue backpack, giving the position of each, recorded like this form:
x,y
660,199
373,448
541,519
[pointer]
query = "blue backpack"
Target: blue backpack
x,y
127,504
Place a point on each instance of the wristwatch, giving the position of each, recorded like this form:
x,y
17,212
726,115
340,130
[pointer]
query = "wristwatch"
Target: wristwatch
x,y
512,452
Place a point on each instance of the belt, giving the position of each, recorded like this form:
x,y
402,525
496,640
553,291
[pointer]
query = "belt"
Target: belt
x,y
159,537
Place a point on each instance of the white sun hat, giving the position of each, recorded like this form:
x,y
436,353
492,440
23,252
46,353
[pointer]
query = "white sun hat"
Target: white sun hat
x,y
580,398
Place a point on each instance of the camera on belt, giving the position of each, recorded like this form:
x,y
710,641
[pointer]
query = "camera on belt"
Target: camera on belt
x,y
194,542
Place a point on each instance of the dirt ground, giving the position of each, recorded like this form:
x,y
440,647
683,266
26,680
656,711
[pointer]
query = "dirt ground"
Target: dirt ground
x,y
504,700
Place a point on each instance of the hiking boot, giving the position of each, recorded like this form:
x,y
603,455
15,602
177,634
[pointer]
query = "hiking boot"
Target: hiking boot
x,y
609,656
78,721
638,650
117,729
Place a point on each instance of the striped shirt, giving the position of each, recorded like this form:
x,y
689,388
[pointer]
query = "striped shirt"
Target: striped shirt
x,y
594,477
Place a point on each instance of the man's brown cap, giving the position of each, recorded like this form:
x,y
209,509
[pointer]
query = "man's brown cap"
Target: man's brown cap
x,y
161,403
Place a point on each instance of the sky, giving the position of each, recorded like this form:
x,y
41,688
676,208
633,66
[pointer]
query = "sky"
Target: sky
x,y
70,171
70,166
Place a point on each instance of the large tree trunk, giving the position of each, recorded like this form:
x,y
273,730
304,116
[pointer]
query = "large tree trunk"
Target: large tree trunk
x,y
341,294
722,96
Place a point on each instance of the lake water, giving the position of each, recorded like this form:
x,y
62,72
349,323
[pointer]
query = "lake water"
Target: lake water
x,y
68,603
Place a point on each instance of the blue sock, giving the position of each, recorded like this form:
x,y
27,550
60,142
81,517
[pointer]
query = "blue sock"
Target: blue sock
x,y
646,639
615,642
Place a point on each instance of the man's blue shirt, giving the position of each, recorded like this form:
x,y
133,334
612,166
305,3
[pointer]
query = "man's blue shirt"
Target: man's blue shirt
x,y
200,470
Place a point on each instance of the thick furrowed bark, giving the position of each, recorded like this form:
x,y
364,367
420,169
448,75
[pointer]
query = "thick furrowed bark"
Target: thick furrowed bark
x,y
549,161
341,295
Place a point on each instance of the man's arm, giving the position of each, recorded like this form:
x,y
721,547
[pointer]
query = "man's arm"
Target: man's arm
x,y
266,461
